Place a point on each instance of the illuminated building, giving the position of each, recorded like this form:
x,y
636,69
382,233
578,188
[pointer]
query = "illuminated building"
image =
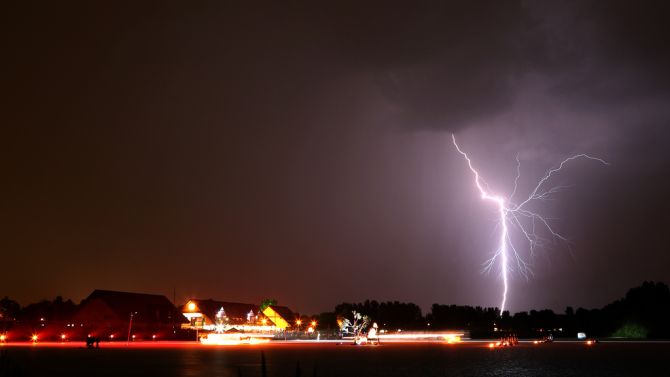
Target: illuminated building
x,y
202,314
279,315
221,316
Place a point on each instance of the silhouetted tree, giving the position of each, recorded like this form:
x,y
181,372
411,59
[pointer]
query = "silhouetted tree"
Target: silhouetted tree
x,y
645,308
267,302
390,314
327,320
56,310
9,309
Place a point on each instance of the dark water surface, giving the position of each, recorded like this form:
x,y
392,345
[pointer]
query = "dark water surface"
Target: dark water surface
x,y
329,359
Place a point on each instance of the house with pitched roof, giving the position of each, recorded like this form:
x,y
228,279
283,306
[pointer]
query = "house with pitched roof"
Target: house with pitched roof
x,y
116,315
213,315
281,316
204,314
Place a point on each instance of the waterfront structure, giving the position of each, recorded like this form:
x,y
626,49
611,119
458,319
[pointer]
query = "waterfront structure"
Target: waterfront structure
x,y
222,316
280,316
126,315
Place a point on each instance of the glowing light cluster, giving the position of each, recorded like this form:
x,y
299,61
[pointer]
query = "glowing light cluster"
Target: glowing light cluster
x,y
520,217
234,339
449,337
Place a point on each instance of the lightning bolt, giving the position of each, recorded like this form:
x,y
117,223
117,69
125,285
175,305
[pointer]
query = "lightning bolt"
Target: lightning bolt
x,y
518,216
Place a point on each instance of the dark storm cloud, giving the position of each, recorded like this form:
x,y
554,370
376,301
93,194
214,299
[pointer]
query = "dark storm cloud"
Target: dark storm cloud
x,y
606,51
442,65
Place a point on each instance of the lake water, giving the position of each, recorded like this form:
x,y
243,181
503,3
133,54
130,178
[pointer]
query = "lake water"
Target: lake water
x,y
331,359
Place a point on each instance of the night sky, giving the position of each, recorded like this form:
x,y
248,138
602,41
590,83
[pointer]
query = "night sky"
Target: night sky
x,y
302,150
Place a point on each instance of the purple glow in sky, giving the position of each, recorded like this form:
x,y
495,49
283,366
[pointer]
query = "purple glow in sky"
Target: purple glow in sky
x,y
515,215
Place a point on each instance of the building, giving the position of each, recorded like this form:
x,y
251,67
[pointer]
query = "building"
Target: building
x,y
125,315
281,316
221,316
204,314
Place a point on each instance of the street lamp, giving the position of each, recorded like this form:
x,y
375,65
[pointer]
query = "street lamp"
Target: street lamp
x,y
298,323
130,327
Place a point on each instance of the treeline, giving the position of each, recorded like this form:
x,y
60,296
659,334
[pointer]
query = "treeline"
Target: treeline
x,y
387,314
643,313
45,310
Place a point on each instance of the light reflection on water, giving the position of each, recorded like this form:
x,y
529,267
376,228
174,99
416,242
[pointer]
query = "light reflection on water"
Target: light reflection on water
x,y
287,360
